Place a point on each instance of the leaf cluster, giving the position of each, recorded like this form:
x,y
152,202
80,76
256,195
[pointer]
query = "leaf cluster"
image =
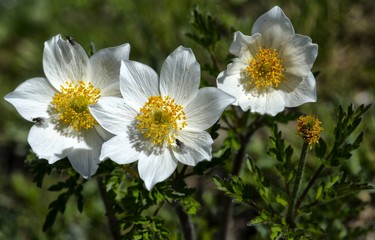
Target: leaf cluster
x,y
207,32
347,123
268,191
73,187
134,206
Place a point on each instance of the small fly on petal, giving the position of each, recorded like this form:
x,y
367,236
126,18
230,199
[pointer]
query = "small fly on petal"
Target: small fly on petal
x,y
70,40
40,122
180,145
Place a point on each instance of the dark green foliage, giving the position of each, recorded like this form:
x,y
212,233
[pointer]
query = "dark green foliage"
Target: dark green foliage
x,y
347,122
325,186
282,117
335,187
321,148
134,206
214,129
283,154
207,33
38,169
73,187
235,188
207,30
205,166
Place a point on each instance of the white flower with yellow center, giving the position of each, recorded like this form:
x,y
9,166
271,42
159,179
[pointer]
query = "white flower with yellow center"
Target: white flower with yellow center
x,y
271,70
58,104
160,122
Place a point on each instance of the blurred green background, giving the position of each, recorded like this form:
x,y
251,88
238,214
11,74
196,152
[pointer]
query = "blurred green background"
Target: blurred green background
x,y
343,29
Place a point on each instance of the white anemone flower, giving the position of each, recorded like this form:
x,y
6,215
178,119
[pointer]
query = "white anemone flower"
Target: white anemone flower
x,y
58,104
160,122
272,68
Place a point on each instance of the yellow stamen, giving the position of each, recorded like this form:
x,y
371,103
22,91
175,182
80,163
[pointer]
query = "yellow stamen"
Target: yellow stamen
x,y
71,104
308,127
264,71
160,118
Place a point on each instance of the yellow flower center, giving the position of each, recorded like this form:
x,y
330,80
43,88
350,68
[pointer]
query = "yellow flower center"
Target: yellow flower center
x,y
308,127
160,118
71,104
264,71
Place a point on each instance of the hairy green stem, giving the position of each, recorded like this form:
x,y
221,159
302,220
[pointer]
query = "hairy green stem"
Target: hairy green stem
x,y
297,182
112,220
309,185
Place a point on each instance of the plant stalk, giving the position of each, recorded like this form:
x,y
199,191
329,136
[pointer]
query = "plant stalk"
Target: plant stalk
x,y
186,224
112,220
297,182
237,165
309,185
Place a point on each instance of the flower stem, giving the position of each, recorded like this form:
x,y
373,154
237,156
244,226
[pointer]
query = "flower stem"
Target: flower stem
x,y
297,182
227,203
112,220
186,224
237,165
309,185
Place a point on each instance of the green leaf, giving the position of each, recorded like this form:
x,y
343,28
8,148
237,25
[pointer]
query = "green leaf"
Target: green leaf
x,y
190,205
50,219
214,129
282,154
204,166
276,231
282,200
283,117
73,187
57,187
38,168
338,186
263,217
234,188
347,122
321,149
207,30
319,192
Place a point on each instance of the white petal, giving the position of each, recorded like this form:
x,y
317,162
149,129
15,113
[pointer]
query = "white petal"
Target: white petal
x,y
180,75
270,103
298,90
206,108
274,26
64,62
299,54
275,16
231,85
50,144
104,134
244,101
31,98
138,82
156,168
106,69
243,43
119,150
236,67
85,155
113,114
196,147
